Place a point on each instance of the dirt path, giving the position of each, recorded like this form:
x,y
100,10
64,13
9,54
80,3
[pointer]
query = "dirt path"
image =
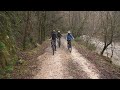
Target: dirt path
x,y
65,65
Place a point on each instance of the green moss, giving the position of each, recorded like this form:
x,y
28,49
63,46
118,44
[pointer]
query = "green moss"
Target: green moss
x,y
77,39
8,69
2,46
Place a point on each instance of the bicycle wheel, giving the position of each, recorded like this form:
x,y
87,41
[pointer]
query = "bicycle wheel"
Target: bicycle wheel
x,y
69,47
59,43
53,48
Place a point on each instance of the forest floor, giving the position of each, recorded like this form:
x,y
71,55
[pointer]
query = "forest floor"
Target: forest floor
x,y
81,63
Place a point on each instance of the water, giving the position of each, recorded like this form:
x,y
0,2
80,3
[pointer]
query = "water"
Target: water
x,y
99,46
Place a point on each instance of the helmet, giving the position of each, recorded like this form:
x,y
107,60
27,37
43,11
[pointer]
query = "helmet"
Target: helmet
x,y
69,32
59,31
53,30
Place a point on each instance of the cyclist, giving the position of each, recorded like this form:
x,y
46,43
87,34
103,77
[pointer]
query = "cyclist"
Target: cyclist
x,y
59,35
69,38
54,37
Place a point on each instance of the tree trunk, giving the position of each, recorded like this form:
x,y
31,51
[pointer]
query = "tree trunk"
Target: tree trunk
x,y
44,29
39,29
69,20
103,49
26,29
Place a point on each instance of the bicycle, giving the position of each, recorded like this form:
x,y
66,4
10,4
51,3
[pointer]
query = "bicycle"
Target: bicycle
x,y
53,46
69,46
59,42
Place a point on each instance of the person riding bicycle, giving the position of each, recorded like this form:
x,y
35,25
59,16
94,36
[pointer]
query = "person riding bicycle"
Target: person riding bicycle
x,y
69,38
59,35
54,37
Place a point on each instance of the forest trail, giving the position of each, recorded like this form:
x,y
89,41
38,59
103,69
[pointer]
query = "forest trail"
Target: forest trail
x,y
65,65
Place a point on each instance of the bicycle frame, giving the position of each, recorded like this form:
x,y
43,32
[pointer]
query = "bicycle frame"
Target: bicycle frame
x,y
69,46
59,42
53,46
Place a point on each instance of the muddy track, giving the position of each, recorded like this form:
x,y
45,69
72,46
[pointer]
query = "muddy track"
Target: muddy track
x,y
65,65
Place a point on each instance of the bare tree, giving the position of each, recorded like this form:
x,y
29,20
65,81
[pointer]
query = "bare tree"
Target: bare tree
x,y
109,27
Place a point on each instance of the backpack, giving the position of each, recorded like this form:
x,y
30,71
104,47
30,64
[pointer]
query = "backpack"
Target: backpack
x,y
59,35
53,35
69,37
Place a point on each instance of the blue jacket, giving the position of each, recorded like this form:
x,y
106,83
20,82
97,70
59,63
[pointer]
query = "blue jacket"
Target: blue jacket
x,y
69,37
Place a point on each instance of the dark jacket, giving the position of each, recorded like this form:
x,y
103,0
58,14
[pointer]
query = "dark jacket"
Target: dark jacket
x,y
59,35
53,35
